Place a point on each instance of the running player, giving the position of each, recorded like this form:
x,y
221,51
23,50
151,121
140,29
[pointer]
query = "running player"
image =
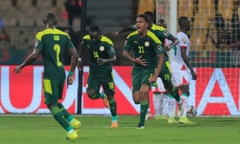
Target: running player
x,y
142,47
101,54
52,43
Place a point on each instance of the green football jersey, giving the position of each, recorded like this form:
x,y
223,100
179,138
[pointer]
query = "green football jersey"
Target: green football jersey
x,y
53,44
162,34
147,47
101,49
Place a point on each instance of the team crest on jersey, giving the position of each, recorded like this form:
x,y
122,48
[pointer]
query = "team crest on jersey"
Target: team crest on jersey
x,y
147,44
184,40
101,48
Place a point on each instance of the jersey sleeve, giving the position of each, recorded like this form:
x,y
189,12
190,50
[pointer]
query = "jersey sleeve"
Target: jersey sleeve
x,y
111,51
38,41
70,43
127,44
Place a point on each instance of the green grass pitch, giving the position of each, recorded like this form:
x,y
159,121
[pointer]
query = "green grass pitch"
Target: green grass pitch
x,y
42,129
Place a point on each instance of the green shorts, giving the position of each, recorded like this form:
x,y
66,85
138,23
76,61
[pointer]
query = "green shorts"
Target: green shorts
x,y
139,77
96,81
53,90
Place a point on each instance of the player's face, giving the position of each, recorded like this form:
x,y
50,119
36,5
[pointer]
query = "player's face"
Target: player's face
x,y
95,36
187,25
141,24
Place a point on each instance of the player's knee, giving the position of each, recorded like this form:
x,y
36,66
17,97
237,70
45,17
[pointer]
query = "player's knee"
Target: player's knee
x,y
136,99
143,95
91,93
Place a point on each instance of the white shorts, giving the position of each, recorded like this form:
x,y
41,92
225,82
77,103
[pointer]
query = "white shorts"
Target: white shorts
x,y
180,76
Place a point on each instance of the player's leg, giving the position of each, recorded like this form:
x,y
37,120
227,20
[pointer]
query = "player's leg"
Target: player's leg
x,y
108,86
144,96
136,85
185,105
159,100
93,89
171,92
52,92
166,77
171,109
76,124
144,104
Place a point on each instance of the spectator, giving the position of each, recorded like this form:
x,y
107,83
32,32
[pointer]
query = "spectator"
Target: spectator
x,y
234,44
235,26
74,10
219,24
4,36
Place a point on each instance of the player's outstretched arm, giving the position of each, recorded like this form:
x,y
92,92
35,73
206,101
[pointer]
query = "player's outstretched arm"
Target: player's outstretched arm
x,y
29,60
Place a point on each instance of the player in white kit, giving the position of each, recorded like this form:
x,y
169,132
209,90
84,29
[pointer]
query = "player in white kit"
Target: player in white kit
x,y
181,69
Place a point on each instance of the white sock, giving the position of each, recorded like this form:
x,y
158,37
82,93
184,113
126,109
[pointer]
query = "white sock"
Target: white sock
x,y
165,104
156,103
171,107
185,105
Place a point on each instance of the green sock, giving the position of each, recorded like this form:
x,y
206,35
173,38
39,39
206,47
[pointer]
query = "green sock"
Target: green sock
x,y
67,115
143,112
175,94
59,117
113,107
185,94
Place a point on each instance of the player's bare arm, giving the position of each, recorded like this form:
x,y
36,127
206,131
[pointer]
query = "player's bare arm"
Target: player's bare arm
x,y
29,60
113,58
74,62
138,60
158,69
187,62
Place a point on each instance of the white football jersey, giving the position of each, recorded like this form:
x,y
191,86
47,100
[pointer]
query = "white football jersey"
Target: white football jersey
x,y
175,53
179,70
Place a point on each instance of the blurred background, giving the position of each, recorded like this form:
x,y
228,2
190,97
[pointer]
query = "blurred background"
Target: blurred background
x,y
211,21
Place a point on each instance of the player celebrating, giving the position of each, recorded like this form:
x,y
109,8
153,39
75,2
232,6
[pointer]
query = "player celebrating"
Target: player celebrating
x,y
101,54
51,43
181,67
145,48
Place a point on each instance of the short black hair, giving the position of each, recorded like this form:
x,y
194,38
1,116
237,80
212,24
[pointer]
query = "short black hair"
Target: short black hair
x,y
50,18
94,29
183,20
149,15
144,17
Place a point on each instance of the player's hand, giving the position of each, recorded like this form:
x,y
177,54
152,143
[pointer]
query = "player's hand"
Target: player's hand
x,y
153,78
100,61
140,61
167,48
69,80
194,76
17,69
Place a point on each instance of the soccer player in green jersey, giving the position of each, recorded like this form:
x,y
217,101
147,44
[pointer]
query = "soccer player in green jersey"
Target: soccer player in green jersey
x,y
144,49
163,34
101,55
52,44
